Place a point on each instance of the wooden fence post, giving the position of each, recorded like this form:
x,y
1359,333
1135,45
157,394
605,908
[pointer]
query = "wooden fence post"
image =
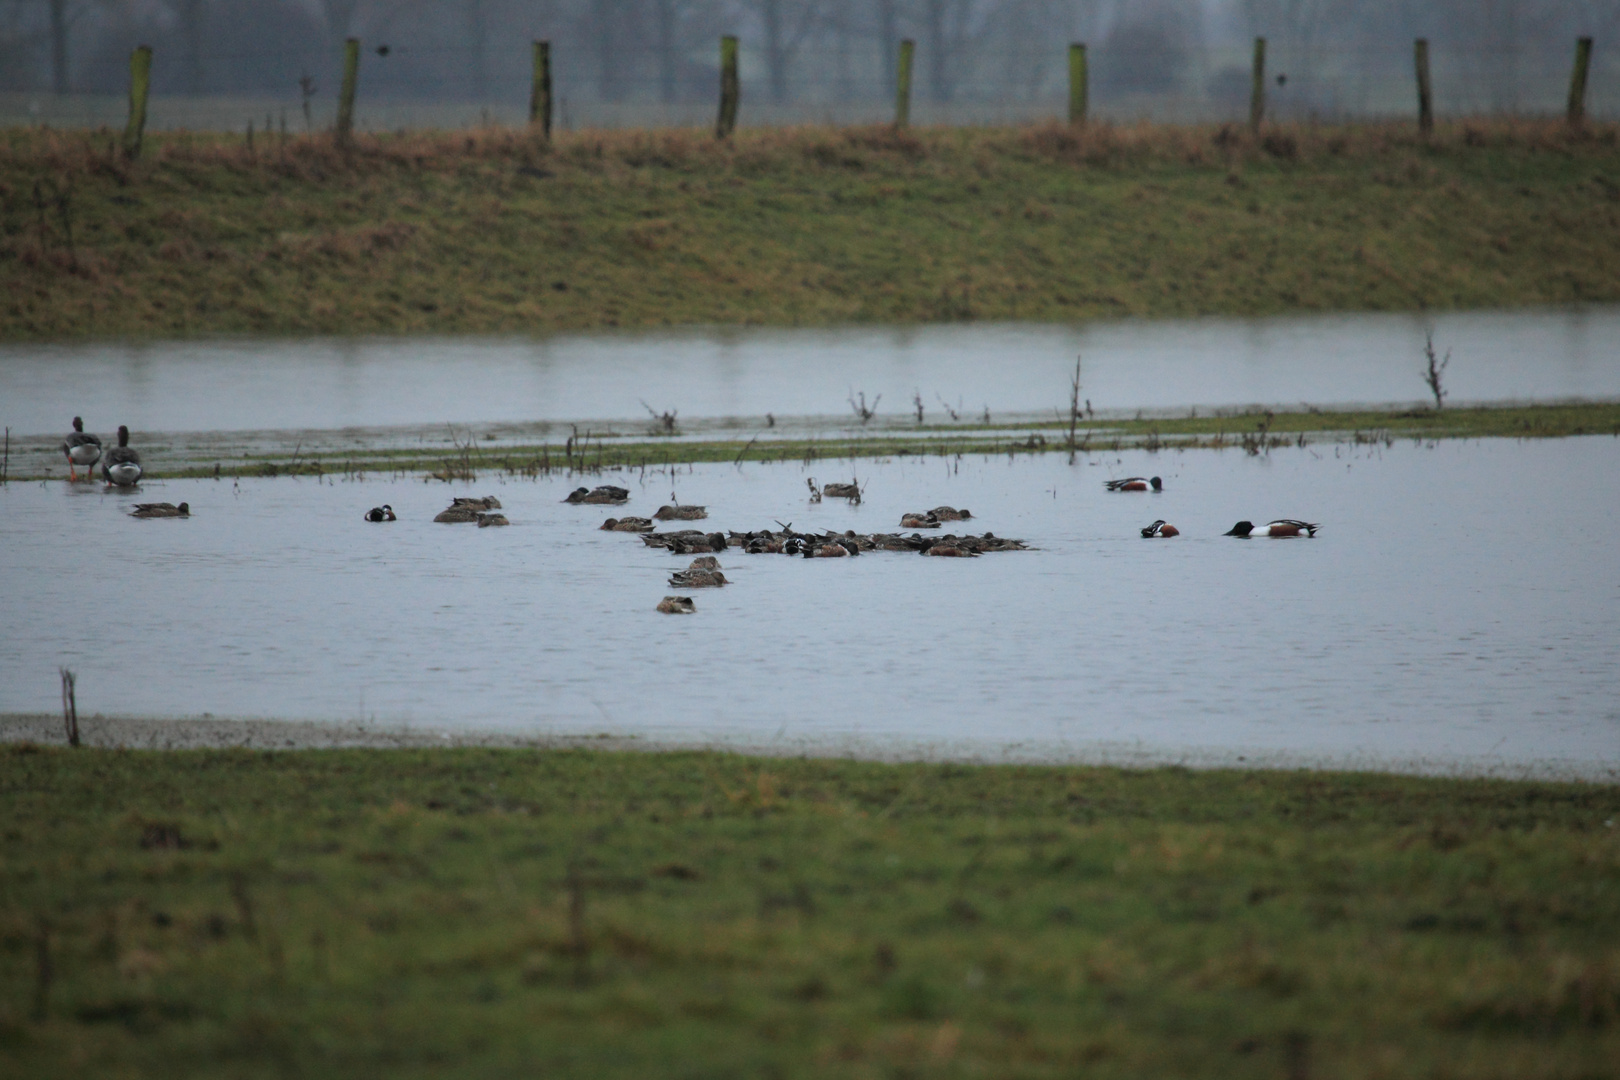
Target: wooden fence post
x,y
140,84
351,76
1078,84
730,89
902,85
1577,81
540,92
1420,58
1257,86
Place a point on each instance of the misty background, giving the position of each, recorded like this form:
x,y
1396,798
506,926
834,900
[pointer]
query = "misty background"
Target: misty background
x,y
447,63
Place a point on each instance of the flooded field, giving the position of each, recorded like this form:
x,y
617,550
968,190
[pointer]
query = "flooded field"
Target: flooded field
x,y
1459,611
718,378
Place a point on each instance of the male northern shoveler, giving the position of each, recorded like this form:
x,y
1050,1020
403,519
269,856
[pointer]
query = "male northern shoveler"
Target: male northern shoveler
x,y
82,449
161,510
677,605
601,494
627,524
1136,483
380,513
697,579
121,465
1280,528
1160,528
681,513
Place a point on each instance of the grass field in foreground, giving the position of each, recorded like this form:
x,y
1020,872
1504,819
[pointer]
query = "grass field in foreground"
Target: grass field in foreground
x,y
573,913
491,231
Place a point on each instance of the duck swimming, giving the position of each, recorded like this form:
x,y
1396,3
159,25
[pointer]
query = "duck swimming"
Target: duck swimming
x,y
161,510
627,524
1282,527
488,502
841,491
697,579
919,521
458,515
486,520
121,465
949,513
681,513
677,605
1136,483
380,513
81,449
602,494
1160,528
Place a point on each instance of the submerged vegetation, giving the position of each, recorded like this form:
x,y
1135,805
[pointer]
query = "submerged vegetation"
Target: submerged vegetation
x,y
463,456
576,913
492,231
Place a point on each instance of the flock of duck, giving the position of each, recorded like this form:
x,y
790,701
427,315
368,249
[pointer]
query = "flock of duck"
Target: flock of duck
x,y
121,468
1279,529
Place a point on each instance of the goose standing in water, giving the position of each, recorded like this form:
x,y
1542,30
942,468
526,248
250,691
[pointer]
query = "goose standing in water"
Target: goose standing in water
x,y
82,449
121,465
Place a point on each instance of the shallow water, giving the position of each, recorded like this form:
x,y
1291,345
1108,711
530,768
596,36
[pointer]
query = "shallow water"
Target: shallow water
x,y
1460,610
1013,370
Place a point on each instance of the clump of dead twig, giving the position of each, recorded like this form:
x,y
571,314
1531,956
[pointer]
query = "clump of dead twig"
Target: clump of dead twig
x,y
665,421
1434,370
862,410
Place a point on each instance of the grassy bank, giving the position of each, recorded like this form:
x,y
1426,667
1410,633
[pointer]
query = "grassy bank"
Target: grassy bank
x,y
489,231
505,913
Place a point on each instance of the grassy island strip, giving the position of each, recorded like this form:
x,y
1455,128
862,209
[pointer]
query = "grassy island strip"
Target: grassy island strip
x,y
579,913
493,231
463,456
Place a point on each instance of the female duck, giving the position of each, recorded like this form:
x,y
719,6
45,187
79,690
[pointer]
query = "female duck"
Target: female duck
x,y
161,510
681,513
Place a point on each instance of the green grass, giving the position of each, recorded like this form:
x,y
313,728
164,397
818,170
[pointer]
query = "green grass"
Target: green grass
x,y
573,913
491,232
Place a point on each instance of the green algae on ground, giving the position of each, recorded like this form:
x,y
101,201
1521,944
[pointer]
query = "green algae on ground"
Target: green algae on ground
x,y
491,231
574,913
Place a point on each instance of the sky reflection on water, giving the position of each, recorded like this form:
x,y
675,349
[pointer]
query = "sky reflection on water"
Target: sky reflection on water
x,y
1013,369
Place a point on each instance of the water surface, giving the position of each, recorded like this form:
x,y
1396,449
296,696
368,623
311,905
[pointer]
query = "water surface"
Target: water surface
x,y
1014,370
1460,610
